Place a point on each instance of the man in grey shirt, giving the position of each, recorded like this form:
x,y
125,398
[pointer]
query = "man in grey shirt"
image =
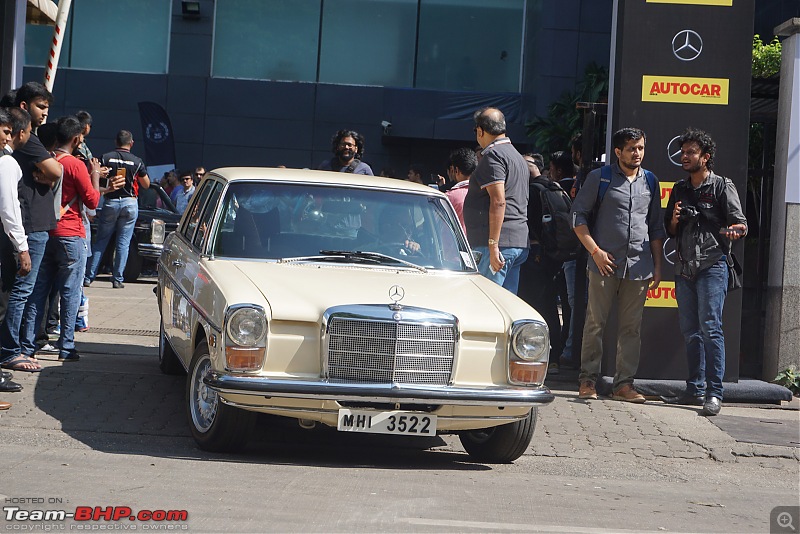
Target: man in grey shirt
x,y
625,241
496,206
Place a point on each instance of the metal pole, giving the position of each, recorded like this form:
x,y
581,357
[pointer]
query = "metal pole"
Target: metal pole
x,y
55,46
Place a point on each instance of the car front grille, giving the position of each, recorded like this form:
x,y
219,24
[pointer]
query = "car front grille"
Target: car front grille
x,y
389,352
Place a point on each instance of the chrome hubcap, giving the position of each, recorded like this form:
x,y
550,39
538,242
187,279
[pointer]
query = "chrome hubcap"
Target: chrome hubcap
x,y
204,400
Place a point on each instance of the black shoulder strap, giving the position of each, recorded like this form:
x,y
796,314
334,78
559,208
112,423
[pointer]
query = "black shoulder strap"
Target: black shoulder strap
x,y
351,167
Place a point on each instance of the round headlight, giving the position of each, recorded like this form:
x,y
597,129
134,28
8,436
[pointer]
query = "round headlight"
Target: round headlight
x,y
158,231
531,341
247,327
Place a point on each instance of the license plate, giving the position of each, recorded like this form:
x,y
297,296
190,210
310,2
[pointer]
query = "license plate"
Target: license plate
x,y
395,422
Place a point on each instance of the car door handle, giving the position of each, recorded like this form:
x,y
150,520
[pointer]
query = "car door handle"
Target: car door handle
x,y
177,263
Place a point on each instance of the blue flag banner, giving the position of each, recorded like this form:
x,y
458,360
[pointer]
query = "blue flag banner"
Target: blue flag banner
x,y
159,140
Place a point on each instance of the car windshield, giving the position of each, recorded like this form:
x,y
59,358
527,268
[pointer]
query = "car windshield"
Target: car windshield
x,y
305,222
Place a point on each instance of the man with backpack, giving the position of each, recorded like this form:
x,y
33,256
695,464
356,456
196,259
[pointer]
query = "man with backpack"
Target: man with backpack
x,y
64,259
617,217
552,242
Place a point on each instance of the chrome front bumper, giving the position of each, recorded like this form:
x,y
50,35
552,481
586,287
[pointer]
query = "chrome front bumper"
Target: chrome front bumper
x,y
149,250
387,393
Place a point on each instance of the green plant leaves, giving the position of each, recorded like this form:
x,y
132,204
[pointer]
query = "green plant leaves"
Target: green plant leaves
x,y
555,131
766,57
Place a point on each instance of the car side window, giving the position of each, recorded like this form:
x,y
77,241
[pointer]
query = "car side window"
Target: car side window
x,y
206,218
195,209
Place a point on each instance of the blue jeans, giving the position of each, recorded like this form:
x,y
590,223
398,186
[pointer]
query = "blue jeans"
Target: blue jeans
x,y
508,275
63,265
569,277
19,297
700,303
118,214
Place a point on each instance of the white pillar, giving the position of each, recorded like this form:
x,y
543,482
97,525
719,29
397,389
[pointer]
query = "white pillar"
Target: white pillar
x,y
55,45
782,336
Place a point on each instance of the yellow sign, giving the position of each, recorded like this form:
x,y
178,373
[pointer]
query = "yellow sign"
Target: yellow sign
x,y
680,90
727,3
666,190
662,297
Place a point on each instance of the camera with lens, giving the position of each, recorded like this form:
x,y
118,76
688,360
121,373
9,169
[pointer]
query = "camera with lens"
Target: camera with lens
x,y
687,213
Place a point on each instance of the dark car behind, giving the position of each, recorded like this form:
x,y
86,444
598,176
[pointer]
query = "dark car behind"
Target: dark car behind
x,y
157,218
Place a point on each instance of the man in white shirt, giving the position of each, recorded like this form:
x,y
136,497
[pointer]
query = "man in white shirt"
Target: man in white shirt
x,y
183,194
15,129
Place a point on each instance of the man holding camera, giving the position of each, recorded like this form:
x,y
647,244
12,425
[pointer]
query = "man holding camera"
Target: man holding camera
x,y
120,209
704,214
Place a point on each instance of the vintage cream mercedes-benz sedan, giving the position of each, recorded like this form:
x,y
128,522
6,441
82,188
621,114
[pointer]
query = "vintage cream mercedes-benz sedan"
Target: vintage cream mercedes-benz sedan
x,y
348,301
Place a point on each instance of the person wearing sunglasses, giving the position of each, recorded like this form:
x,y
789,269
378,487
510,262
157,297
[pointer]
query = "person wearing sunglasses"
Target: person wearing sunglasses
x,y
199,172
183,193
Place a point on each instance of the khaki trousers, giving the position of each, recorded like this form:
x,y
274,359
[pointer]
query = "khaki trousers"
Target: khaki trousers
x,y
630,296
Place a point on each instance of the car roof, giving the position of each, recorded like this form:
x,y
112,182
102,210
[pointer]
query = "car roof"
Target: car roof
x,y
235,174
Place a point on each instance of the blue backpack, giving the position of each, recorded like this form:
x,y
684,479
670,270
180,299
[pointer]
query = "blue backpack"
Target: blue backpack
x,y
605,181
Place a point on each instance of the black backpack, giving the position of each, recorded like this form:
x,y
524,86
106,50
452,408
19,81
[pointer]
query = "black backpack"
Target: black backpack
x,y
557,238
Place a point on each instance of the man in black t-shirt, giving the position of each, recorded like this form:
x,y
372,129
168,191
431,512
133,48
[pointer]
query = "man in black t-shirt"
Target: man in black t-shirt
x,y
40,171
120,209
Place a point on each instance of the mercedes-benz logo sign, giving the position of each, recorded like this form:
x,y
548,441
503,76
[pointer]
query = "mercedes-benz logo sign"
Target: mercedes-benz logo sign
x,y
674,151
687,45
396,293
670,254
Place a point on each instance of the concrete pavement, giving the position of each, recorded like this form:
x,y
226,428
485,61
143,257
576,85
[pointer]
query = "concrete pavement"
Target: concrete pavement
x,y
117,388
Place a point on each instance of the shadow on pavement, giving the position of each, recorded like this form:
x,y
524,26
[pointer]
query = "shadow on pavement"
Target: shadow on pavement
x,y
116,400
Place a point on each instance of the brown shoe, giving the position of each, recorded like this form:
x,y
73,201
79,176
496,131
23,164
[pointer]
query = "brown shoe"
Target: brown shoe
x,y
628,394
587,390
5,405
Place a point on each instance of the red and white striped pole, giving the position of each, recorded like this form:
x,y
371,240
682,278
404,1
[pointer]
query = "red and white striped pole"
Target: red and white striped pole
x,y
58,40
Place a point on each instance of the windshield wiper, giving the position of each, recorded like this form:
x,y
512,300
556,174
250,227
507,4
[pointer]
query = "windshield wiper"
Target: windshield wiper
x,y
355,256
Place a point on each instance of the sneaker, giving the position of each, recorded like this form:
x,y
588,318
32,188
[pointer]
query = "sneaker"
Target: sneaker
x,y
628,394
552,369
686,399
55,331
87,283
48,348
71,357
117,285
587,390
712,406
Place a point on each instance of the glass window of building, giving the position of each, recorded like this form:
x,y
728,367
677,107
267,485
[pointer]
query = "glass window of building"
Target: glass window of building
x,y
37,45
369,42
274,40
470,45
120,36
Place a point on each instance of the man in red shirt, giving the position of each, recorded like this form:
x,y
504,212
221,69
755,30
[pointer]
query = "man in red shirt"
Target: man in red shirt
x,y
462,165
64,258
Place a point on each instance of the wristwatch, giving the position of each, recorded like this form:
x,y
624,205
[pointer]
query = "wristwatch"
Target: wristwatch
x,y
492,241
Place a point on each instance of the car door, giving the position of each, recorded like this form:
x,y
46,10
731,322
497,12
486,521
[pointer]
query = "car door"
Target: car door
x,y
181,263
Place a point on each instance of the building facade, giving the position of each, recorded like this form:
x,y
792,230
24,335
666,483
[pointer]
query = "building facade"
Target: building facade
x,y
268,82
254,82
